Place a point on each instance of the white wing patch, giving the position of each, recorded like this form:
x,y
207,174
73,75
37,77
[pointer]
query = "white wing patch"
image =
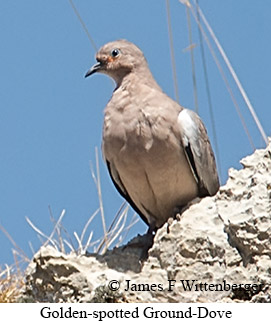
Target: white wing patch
x,y
189,129
198,152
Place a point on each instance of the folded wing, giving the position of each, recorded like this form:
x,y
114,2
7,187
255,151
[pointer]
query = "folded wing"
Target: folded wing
x,y
198,152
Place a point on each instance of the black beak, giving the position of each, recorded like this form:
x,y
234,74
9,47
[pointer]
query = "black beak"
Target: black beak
x,y
95,68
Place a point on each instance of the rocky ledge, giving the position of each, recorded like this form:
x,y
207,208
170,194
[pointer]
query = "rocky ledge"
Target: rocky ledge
x,y
219,250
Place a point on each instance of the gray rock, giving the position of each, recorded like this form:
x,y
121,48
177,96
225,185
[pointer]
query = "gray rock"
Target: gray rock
x,y
218,246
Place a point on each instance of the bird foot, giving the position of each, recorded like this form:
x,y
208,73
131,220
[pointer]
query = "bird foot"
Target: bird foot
x,y
169,222
177,217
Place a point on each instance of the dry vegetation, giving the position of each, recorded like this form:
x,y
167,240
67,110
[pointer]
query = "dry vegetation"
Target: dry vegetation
x,y
11,281
12,277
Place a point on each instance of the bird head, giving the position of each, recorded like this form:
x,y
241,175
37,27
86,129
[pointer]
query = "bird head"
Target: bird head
x,y
117,59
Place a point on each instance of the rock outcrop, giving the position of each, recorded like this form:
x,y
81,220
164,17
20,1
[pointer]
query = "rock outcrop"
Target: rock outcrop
x,y
219,250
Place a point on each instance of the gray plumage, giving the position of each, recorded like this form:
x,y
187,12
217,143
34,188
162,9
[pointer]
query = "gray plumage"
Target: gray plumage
x,y
158,153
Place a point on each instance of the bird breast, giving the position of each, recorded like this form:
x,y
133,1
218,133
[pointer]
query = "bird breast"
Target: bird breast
x,y
136,131
138,122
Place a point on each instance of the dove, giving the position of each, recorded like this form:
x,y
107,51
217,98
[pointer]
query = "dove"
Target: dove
x,y
157,152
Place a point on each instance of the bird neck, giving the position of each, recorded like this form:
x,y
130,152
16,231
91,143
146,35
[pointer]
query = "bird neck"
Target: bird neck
x,y
143,77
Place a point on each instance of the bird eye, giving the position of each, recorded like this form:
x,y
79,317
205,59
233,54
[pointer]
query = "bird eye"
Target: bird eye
x,y
115,52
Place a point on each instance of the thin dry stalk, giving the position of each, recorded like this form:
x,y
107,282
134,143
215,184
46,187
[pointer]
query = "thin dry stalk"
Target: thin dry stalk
x,y
126,230
97,181
115,230
20,251
118,229
87,224
40,233
57,228
172,55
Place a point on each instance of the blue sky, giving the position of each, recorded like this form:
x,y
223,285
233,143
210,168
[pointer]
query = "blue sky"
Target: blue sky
x,y
51,116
